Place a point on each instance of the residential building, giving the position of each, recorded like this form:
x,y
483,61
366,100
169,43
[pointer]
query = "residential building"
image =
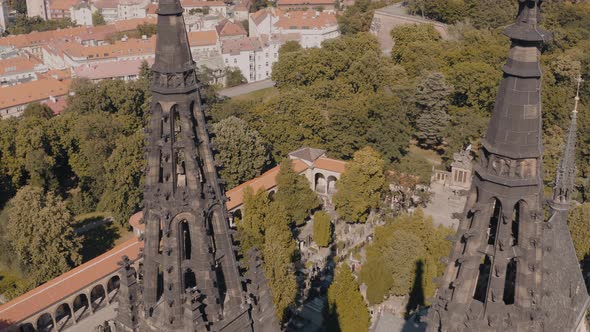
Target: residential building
x,y
228,29
82,12
119,10
60,9
313,27
14,99
4,11
241,11
205,7
23,68
323,5
126,70
37,8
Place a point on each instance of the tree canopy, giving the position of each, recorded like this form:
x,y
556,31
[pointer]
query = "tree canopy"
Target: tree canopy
x,y
360,186
322,229
347,309
294,194
243,153
40,233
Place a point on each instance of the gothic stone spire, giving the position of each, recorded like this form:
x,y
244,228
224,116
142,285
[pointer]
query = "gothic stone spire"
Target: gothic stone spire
x,y
191,280
566,171
501,274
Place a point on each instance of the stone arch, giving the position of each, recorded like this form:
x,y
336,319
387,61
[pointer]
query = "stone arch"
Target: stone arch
x,y
45,323
80,306
238,214
97,296
63,316
113,286
331,184
26,327
510,282
320,183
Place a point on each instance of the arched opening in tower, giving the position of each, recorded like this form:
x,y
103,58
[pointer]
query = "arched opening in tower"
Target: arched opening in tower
x,y
180,165
176,123
493,225
186,239
190,281
518,209
510,283
483,279
160,284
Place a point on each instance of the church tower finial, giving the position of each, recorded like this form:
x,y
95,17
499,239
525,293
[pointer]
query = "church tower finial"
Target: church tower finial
x,y
566,171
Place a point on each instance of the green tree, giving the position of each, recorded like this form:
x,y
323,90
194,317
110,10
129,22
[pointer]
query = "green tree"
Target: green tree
x,y
98,19
234,77
278,251
389,129
147,29
475,85
360,186
124,168
294,193
41,235
240,149
358,17
37,110
252,227
432,98
322,229
346,306
289,47
400,246
579,225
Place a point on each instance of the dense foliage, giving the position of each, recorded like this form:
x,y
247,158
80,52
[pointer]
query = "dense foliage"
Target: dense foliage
x,y
579,225
322,229
241,150
405,257
265,225
91,155
360,187
294,194
23,24
346,307
40,235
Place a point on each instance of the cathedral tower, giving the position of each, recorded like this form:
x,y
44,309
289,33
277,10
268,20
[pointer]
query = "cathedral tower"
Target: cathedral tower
x,y
191,279
509,269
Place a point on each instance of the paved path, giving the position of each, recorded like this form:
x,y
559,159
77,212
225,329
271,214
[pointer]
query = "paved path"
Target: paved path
x,y
90,323
443,204
246,88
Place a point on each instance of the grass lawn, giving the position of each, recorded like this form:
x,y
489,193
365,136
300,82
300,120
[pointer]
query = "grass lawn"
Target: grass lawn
x,y
99,240
11,284
431,156
264,95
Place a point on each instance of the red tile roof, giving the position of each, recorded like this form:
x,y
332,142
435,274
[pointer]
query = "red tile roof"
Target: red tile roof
x,y
68,283
62,4
202,38
57,105
111,69
33,91
18,65
229,28
305,3
201,4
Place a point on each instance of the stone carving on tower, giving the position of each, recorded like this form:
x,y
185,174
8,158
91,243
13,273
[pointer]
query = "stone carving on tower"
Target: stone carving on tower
x,y
510,269
190,278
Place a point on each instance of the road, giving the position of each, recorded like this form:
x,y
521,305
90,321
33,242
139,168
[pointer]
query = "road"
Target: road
x,y
246,88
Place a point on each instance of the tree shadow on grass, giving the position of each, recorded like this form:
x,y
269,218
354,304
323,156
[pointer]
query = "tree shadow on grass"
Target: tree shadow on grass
x,y
98,241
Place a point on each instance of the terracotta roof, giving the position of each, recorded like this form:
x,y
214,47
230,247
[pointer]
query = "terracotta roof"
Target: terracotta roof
x,y
152,9
110,69
118,49
62,4
308,19
329,164
68,283
33,91
18,65
200,4
57,105
229,28
135,219
235,46
102,4
56,74
202,38
266,181
305,2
